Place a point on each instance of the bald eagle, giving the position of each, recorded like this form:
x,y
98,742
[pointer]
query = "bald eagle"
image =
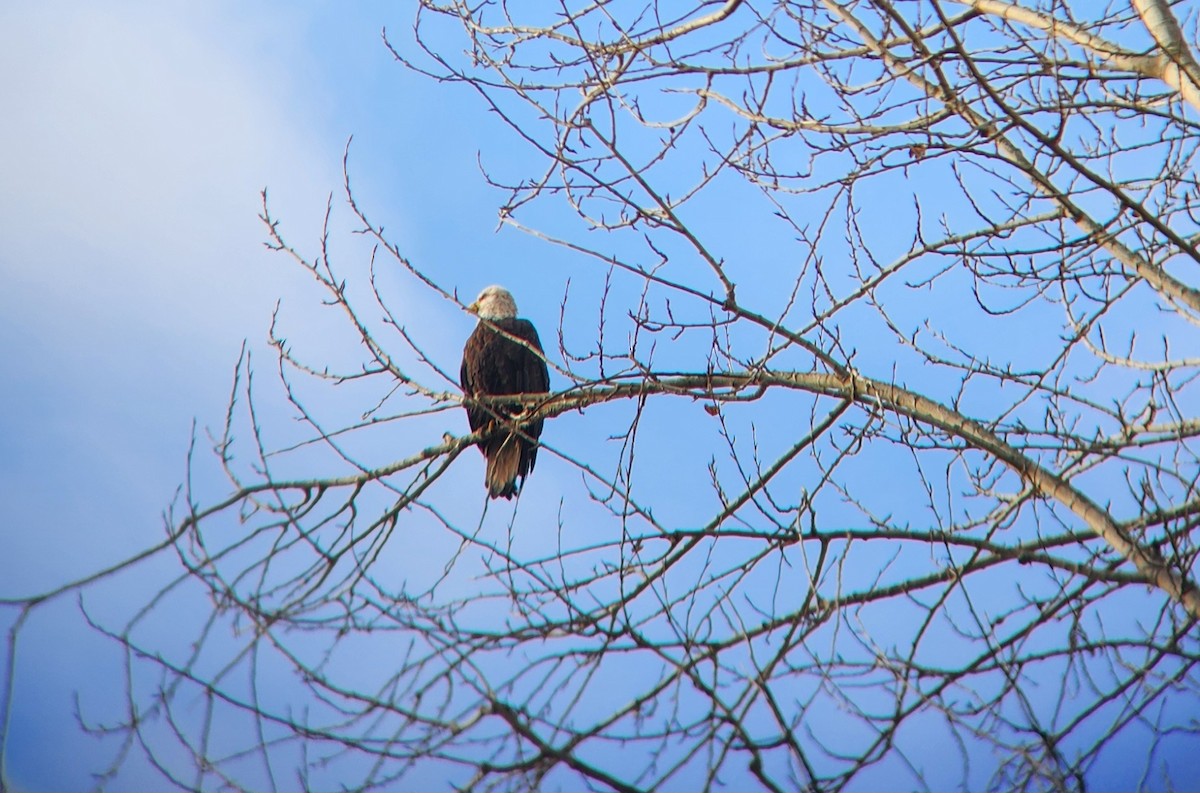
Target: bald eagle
x,y
495,364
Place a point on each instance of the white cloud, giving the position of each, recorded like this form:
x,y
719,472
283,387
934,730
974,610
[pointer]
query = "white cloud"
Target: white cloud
x,y
135,142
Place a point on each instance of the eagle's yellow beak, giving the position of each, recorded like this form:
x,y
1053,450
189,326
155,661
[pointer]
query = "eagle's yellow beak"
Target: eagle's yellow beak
x,y
474,307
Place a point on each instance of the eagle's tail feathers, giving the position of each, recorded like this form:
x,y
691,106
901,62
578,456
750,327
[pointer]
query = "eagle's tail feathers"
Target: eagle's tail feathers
x,y
503,464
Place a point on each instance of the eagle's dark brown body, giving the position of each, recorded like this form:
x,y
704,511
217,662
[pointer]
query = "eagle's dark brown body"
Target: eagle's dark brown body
x,y
494,365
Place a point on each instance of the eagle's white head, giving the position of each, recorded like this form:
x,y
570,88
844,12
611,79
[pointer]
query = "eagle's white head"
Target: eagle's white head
x,y
494,302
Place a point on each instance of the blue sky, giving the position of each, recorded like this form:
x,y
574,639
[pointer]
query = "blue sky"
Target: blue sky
x,y
135,143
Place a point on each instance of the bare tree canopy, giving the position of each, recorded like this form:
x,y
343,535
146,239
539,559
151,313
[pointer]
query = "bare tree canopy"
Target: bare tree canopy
x,y
870,458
